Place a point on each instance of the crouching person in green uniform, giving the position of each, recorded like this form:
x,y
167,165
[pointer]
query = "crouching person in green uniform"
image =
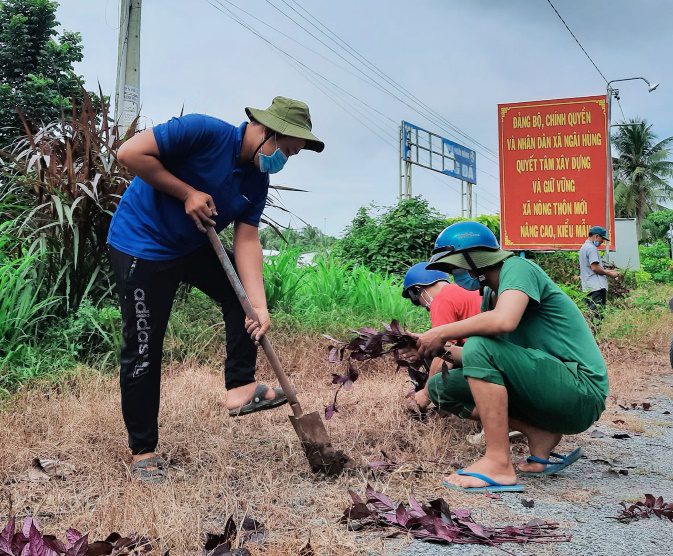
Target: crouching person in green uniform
x,y
193,172
530,364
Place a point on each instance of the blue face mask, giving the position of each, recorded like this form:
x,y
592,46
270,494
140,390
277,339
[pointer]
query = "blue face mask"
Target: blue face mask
x,y
597,243
464,280
272,163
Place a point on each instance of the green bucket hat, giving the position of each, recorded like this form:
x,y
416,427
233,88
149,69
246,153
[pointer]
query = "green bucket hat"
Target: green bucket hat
x,y
482,258
288,117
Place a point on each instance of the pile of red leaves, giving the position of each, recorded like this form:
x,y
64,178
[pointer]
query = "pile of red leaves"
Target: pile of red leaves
x,y
645,509
370,344
435,522
30,541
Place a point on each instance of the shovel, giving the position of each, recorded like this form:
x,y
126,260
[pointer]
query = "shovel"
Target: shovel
x,y
309,428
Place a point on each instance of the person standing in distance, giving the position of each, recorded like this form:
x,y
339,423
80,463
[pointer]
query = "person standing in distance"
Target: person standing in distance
x,y
593,275
193,172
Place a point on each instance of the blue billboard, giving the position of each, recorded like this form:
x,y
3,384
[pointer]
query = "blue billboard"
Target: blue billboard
x,y
441,155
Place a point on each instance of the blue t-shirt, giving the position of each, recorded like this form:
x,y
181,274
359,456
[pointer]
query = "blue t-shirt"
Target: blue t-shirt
x,y
203,152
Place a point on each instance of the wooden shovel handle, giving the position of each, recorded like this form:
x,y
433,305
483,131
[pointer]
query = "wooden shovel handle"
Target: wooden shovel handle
x,y
235,281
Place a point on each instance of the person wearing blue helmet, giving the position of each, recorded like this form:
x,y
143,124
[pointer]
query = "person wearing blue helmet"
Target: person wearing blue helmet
x,y
446,303
530,364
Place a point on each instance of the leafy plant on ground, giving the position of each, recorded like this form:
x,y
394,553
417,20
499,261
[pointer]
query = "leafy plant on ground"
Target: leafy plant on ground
x,y
30,541
370,344
222,544
282,278
645,509
561,266
436,522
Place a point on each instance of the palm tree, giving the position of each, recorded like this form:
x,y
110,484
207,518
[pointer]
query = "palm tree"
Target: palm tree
x,y
642,170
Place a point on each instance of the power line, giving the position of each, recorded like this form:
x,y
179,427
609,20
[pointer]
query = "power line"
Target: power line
x,y
306,72
358,56
577,41
303,69
289,37
587,55
223,9
426,111
619,103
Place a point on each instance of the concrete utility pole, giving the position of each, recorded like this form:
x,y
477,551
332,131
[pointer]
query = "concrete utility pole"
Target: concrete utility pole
x,y
127,97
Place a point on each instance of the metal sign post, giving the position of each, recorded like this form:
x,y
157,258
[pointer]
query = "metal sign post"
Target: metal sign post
x,y
426,149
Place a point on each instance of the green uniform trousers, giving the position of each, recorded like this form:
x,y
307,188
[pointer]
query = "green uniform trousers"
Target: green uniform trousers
x,y
542,390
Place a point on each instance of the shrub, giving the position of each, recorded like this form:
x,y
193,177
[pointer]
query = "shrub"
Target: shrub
x,y
393,241
61,185
655,260
282,278
561,266
657,224
331,294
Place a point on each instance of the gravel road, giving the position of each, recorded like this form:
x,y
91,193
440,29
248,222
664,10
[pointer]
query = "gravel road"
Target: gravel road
x,y
583,498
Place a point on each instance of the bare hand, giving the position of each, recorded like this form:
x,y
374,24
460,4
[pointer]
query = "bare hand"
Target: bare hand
x,y
614,273
431,344
257,329
409,353
417,402
200,207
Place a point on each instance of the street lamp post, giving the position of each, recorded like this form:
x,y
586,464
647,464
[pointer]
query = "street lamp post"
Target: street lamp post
x,y
610,92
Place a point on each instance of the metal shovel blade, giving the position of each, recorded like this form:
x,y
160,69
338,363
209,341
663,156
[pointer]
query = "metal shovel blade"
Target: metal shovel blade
x,y
317,446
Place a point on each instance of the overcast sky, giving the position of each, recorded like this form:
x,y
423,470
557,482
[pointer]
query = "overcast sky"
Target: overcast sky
x,y
460,58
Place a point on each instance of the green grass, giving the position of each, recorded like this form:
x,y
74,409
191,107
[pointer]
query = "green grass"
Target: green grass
x,y
328,297
635,318
333,298
325,298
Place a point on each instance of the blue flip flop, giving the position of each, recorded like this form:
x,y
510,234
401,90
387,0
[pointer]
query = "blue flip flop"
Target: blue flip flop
x,y
553,467
491,485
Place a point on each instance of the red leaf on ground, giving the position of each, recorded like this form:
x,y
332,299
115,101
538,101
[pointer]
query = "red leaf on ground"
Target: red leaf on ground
x,y
646,508
436,522
330,410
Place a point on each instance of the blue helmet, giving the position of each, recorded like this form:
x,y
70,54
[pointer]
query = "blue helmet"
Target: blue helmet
x,y
418,275
463,236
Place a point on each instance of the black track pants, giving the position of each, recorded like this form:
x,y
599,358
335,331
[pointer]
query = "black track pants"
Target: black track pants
x,y
596,301
146,291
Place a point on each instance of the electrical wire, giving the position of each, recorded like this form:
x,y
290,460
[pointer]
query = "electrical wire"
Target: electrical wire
x,y
217,4
577,41
289,37
587,54
305,70
362,59
426,111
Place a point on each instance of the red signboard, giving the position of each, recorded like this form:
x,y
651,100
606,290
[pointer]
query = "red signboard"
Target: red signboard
x,y
553,166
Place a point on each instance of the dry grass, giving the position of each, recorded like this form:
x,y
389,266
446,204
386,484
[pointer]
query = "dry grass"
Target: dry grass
x,y
221,466
252,465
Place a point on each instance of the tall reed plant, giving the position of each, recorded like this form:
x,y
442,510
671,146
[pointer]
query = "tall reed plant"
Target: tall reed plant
x,y
22,308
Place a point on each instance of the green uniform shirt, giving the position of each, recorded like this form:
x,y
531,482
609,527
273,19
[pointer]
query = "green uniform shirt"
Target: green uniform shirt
x,y
552,323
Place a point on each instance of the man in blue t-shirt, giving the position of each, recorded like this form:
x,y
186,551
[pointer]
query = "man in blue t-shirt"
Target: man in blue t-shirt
x,y
193,172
